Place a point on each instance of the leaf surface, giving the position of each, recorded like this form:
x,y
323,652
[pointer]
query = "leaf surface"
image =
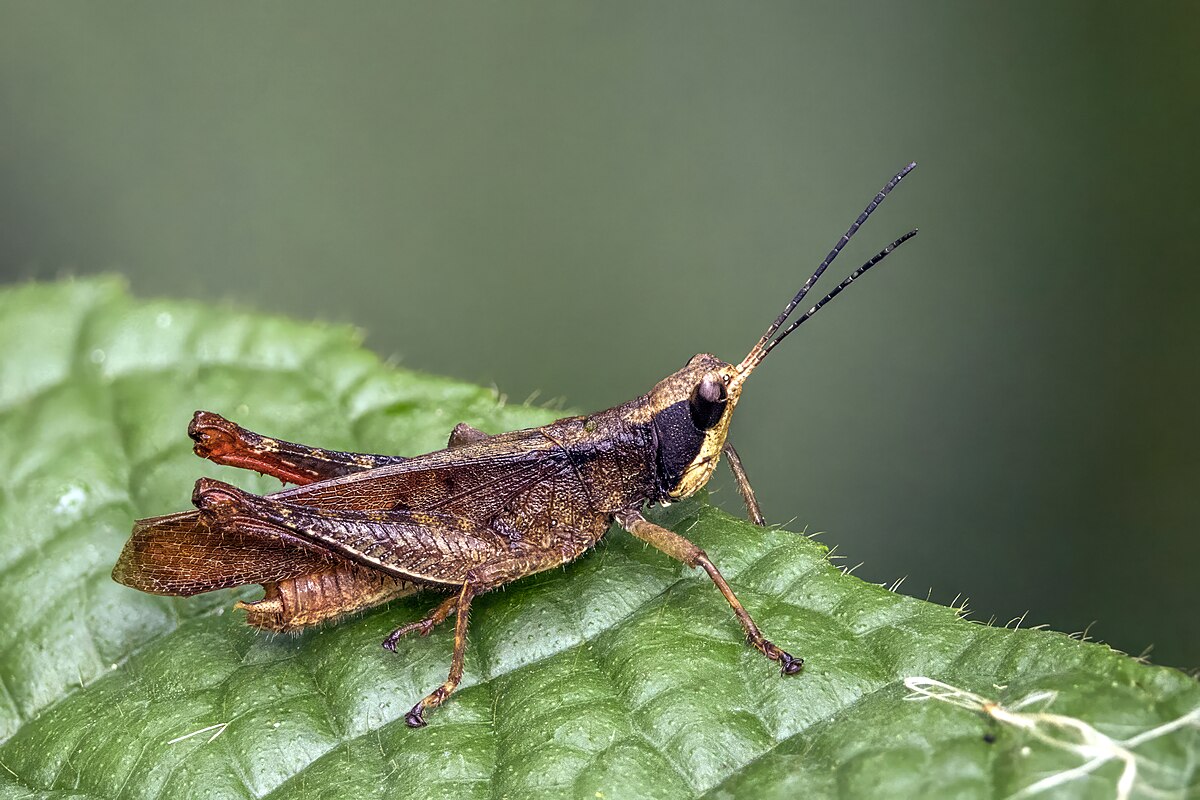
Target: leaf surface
x,y
622,675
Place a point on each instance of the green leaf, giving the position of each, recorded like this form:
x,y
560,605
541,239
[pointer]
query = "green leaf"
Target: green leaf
x,y
622,675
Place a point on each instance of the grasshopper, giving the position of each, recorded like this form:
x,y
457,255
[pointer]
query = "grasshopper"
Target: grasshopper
x,y
360,529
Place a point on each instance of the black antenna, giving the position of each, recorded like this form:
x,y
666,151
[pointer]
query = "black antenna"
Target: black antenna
x,y
837,248
851,278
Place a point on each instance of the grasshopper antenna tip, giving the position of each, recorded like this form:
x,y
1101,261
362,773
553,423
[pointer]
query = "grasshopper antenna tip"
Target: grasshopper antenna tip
x,y
769,340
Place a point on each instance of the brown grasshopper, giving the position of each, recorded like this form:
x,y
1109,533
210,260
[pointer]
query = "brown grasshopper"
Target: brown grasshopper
x,y
362,529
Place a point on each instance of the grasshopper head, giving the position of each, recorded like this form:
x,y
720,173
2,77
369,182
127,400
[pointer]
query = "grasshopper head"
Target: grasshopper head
x,y
691,412
691,409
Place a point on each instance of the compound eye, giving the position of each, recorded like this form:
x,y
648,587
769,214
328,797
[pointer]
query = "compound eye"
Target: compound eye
x,y
707,402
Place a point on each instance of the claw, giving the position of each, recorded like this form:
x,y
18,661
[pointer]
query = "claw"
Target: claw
x,y
789,664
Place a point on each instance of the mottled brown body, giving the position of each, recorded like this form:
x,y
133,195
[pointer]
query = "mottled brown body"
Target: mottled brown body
x,y
316,597
361,529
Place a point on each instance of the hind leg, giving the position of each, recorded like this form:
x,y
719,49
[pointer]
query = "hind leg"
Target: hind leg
x,y
227,443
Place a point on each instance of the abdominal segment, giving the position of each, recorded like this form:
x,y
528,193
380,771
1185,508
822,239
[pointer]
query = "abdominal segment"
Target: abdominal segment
x,y
317,597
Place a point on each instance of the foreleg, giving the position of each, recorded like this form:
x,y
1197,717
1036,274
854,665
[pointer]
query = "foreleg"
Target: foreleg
x,y
743,485
682,549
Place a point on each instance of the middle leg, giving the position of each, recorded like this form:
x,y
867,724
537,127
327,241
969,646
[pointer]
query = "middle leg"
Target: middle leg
x,y
415,718
423,626
477,581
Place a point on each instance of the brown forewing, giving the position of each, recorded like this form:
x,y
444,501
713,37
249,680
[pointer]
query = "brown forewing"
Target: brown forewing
x,y
183,554
444,513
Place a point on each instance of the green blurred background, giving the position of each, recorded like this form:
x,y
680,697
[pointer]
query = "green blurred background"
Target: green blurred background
x,y
572,199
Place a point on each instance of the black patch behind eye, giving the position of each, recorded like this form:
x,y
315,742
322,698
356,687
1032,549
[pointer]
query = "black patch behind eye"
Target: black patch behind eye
x,y
679,442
